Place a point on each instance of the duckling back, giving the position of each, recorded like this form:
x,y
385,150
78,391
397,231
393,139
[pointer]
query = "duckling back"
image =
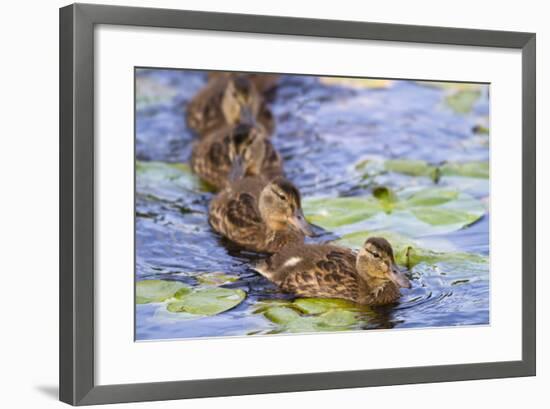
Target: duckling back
x,y
234,213
324,271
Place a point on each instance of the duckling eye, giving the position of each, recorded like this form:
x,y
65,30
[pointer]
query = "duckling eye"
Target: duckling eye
x,y
280,196
376,255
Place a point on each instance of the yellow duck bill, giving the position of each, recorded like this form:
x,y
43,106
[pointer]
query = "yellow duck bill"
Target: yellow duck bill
x,y
398,278
299,221
237,169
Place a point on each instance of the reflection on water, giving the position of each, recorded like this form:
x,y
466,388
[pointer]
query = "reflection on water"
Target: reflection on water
x,y
322,132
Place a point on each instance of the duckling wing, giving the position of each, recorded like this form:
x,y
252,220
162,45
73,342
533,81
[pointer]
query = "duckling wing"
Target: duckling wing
x,y
331,275
203,111
210,159
242,211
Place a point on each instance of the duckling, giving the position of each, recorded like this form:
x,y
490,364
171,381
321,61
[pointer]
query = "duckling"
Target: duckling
x,y
260,215
227,100
370,277
231,153
265,83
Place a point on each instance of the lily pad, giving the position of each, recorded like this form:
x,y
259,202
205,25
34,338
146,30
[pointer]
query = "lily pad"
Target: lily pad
x,y
413,212
148,291
314,314
320,305
411,167
206,301
216,279
409,252
357,82
462,101
453,86
290,320
467,169
166,181
150,92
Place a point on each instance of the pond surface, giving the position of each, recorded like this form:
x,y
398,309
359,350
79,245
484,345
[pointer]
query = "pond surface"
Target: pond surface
x,y
402,159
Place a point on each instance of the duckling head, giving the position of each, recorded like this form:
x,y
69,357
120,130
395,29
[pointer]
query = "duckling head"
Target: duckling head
x,y
240,101
376,264
247,149
281,208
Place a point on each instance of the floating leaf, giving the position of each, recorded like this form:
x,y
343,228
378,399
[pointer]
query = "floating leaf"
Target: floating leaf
x,y
320,305
165,181
289,320
409,167
480,129
281,315
420,168
148,291
334,212
409,252
468,169
216,278
462,101
413,212
357,82
150,92
314,314
206,301
453,86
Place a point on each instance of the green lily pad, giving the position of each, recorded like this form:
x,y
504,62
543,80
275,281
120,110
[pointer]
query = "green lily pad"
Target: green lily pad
x,y
321,305
314,314
371,83
148,291
150,92
409,252
333,212
413,212
452,86
166,181
289,320
462,101
216,279
411,167
206,301
467,169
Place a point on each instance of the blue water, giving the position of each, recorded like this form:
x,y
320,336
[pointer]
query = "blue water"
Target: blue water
x,y
322,132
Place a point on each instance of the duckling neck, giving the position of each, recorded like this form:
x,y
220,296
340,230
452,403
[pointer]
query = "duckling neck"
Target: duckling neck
x,y
380,291
375,285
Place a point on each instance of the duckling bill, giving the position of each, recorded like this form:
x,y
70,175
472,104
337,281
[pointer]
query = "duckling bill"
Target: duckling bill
x,y
370,277
260,215
231,153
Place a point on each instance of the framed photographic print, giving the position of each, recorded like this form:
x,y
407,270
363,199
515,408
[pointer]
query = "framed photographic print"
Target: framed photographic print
x,y
351,203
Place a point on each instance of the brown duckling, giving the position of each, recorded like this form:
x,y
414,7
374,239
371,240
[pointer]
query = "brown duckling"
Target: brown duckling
x,y
231,153
227,100
370,277
260,215
263,82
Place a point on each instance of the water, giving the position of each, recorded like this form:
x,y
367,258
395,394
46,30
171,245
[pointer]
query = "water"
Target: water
x,y
322,132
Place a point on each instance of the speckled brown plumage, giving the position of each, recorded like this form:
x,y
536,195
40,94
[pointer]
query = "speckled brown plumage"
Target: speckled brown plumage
x,y
235,214
325,271
211,157
204,113
263,82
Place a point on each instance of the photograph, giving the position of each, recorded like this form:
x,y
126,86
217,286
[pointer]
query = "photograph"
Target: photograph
x,y
284,203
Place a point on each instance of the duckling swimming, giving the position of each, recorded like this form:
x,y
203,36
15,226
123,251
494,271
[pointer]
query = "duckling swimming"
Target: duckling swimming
x,y
264,83
231,153
227,100
370,277
260,215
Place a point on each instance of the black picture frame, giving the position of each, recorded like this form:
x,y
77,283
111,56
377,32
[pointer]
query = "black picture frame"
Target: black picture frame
x,y
76,280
